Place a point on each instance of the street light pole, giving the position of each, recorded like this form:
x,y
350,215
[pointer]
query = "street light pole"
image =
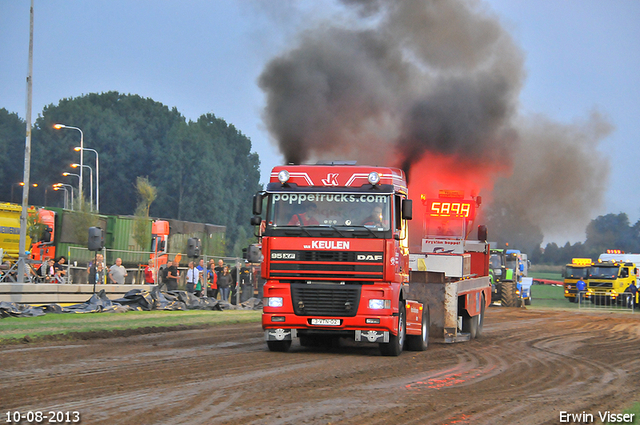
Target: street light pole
x,y
76,175
58,127
64,186
97,174
90,175
66,193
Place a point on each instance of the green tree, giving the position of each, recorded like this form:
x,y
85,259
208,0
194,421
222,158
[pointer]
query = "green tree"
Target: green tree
x,y
204,171
147,193
12,139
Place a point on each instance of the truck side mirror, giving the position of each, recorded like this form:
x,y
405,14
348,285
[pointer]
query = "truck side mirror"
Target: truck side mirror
x,y
257,204
256,220
253,254
407,209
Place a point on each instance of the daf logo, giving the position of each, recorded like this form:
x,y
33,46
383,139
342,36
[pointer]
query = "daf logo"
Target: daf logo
x,y
368,257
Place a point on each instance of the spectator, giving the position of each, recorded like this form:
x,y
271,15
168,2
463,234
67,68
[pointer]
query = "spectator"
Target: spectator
x,y
42,270
212,277
224,284
192,276
60,270
630,293
98,277
117,272
172,276
91,271
581,287
200,283
235,281
149,274
246,282
51,271
220,268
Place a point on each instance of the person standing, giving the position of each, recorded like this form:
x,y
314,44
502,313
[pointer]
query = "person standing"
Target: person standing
x,y
172,276
200,284
149,274
246,283
631,292
117,272
581,287
224,284
91,269
98,277
212,277
192,276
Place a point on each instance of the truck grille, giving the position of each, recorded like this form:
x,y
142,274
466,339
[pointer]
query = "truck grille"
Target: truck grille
x,y
325,299
327,265
593,284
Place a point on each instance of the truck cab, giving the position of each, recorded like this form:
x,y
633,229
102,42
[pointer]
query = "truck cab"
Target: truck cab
x,y
609,279
335,257
573,272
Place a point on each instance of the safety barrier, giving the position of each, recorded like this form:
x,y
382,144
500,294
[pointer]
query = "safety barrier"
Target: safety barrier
x,y
625,302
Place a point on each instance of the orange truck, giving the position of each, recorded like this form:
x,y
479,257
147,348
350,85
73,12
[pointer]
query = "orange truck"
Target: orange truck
x,y
336,262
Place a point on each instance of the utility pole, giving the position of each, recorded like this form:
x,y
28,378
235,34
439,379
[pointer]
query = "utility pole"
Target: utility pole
x,y
27,161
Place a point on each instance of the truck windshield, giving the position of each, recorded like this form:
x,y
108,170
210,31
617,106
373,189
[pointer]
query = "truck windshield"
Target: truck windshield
x,y
603,272
495,261
329,209
576,272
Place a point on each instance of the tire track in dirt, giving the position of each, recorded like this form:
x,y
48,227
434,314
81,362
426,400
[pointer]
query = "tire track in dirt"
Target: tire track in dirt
x,y
529,365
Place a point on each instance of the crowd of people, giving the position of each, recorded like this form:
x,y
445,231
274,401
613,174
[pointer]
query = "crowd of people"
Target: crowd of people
x,y
215,280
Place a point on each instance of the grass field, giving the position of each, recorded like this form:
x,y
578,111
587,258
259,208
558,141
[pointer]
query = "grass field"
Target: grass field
x,y
67,324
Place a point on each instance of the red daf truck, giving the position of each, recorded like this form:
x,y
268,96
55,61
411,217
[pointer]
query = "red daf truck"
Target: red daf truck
x,y
335,257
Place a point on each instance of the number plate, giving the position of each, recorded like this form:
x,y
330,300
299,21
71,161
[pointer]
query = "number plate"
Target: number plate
x,y
326,322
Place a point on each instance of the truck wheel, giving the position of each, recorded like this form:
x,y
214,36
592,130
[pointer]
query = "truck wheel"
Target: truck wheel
x,y
281,346
396,342
420,342
508,295
527,301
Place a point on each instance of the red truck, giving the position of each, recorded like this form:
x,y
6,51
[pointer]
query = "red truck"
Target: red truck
x,y
335,258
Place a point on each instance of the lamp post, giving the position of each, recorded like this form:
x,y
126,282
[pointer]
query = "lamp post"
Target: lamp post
x,y
80,148
64,186
58,127
20,184
75,175
91,180
66,193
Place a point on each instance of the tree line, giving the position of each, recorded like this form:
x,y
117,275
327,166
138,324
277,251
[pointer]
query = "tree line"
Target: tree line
x,y
204,171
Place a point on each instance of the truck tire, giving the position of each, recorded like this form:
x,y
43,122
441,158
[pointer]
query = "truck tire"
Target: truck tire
x,y
281,346
508,297
396,342
420,342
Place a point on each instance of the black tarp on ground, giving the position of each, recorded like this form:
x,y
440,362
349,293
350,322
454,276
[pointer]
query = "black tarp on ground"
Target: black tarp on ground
x,y
8,309
135,299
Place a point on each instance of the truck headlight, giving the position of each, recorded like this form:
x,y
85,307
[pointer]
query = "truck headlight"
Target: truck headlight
x,y
497,272
379,304
275,302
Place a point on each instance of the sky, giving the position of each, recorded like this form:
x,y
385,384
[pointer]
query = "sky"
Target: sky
x,y
205,56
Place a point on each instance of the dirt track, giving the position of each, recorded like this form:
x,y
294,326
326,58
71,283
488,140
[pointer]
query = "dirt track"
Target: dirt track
x,y
528,367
